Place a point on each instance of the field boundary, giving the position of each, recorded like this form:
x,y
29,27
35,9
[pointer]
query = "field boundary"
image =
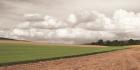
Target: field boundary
x,y
56,58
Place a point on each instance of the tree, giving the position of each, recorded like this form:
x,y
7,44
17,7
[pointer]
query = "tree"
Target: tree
x,y
115,43
108,42
131,42
100,42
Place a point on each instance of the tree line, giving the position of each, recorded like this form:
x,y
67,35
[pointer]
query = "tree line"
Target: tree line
x,y
116,42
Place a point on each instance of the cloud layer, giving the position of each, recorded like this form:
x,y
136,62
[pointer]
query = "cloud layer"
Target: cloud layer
x,y
79,27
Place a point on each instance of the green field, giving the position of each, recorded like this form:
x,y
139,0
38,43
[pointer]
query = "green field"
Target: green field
x,y
12,53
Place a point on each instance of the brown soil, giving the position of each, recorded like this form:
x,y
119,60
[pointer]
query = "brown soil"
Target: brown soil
x,y
128,59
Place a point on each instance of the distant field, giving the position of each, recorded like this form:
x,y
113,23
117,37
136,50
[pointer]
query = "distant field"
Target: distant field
x,y
12,53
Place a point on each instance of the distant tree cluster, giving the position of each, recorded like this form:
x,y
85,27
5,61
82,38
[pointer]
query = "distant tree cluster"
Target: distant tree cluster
x,y
3,38
116,42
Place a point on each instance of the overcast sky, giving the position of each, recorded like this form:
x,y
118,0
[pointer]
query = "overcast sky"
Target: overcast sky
x,y
11,11
31,18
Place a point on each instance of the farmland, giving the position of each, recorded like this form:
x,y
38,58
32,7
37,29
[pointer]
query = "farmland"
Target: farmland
x,y
12,53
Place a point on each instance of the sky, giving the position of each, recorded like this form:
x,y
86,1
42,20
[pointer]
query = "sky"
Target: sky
x,y
32,19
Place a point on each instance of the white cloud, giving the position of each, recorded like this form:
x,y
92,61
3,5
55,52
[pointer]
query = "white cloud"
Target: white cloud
x,y
127,23
80,27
